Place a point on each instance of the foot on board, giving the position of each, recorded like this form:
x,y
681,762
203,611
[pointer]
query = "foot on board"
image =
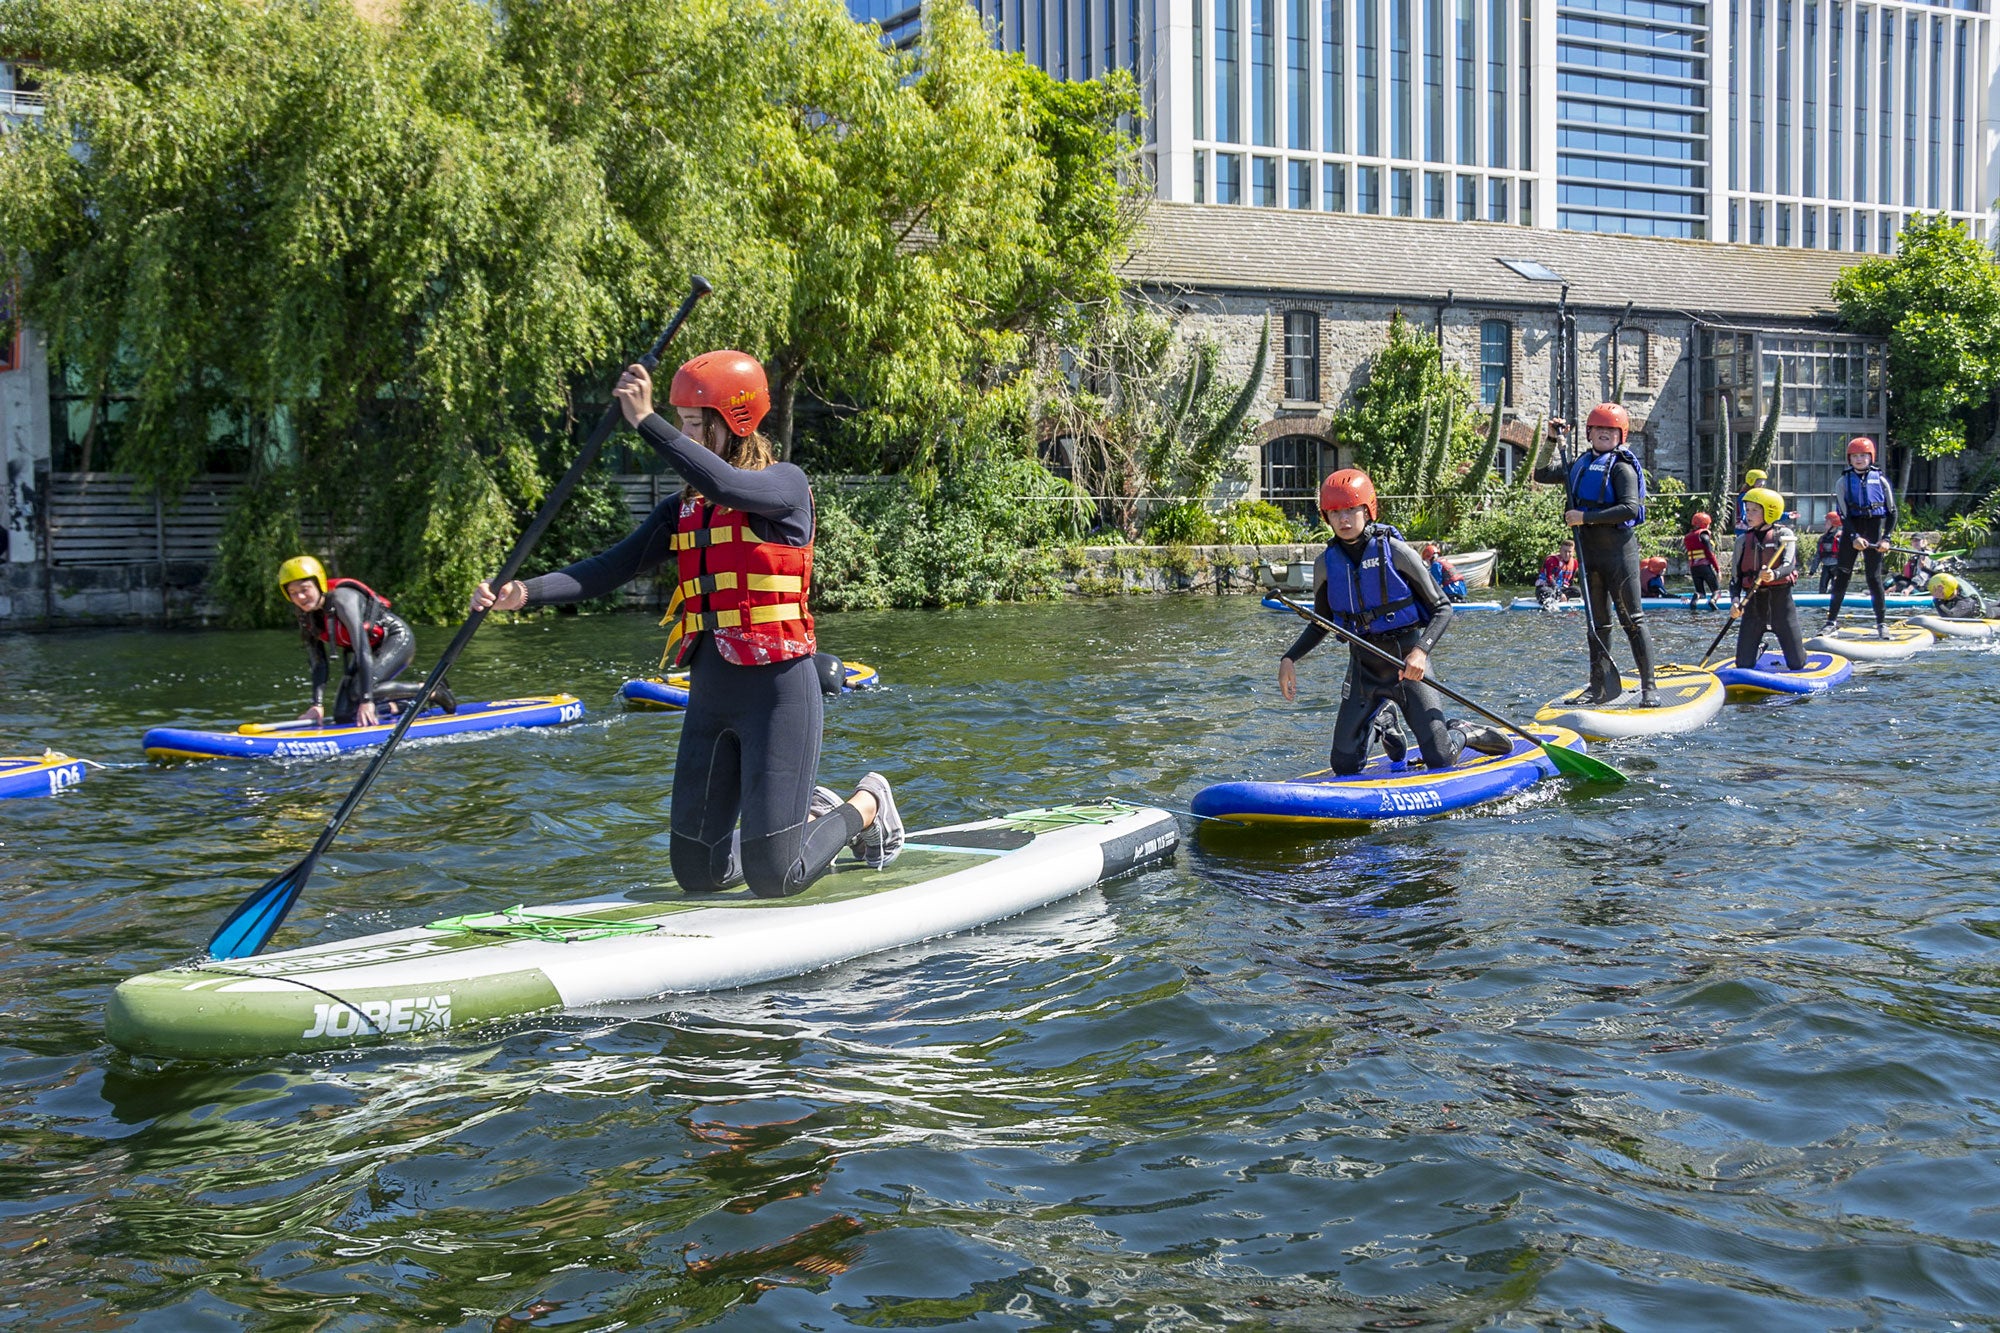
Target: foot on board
x,y
1486,740
882,841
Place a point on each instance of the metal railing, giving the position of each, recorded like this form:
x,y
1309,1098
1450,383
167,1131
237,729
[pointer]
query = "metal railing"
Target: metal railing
x,y
17,102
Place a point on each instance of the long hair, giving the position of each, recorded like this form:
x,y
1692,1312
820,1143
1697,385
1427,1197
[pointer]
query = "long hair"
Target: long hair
x,y
753,452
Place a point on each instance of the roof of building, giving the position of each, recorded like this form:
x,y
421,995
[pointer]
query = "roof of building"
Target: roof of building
x,y
1211,246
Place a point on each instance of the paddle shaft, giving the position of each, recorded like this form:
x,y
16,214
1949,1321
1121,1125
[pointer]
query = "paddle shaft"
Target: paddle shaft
x,y
1737,608
265,910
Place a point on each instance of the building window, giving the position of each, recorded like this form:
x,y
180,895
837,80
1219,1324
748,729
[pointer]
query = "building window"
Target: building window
x,y
1833,219
1302,356
1333,192
1468,199
1403,192
1264,181
1293,468
1496,201
1301,184
1368,189
1298,74
1264,73
1809,227
1496,361
1333,82
1433,194
1227,129
1228,178
1367,77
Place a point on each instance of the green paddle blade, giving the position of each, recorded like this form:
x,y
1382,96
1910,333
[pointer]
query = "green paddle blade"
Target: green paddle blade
x,y
1580,766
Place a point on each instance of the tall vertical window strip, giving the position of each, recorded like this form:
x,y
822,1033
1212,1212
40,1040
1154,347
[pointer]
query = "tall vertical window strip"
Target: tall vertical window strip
x,y
1298,74
1110,35
1132,40
1435,124
1333,74
1836,137
1958,122
1912,72
1861,70
1784,71
1264,73
1527,65
1200,82
1885,114
1468,106
1227,129
1400,138
1934,179
1757,99
1497,28
1302,355
1062,39
1367,77
1084,48
1809,116
1735,112
1496,340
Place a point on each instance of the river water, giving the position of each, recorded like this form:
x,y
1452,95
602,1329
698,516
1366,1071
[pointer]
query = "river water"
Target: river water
x,y
1713,1050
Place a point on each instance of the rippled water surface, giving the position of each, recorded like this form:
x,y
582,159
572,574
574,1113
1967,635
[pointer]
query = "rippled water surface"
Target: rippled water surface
x,y
1713,1050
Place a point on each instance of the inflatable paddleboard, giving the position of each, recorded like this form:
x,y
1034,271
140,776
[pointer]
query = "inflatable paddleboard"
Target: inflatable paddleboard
x,y
1861,604
1382,790
1770,676
1689,698
1861,645
290,740
455,973
44,774
657,693
1573,604
1947,628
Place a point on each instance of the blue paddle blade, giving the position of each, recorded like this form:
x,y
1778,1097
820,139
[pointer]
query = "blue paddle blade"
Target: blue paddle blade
x,y
253,923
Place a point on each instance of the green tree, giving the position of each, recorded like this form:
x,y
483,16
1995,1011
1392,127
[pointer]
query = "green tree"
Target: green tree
x,y
1937,300
1410,424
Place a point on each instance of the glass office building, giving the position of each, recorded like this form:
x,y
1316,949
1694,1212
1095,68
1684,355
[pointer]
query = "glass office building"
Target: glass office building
x,y
1821,124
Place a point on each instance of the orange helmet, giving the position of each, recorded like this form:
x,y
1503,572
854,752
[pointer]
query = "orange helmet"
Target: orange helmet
x,y
1346,489
1833,518
1430,549
1612,415
1861,444
1702,521
732,383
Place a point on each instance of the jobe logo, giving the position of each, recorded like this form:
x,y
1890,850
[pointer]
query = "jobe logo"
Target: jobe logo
x,y
571,712
307,747
422,1013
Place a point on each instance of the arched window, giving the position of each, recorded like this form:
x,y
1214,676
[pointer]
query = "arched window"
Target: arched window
x,y
1294,466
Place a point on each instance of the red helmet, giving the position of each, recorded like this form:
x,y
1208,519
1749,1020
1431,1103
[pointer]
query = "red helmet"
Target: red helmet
x,y
1346,489
1612,415
1430,549
1833,518
1702,521
732,383
1861,444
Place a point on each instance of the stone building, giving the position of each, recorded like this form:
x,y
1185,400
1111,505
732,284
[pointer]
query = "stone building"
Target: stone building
x,y
1547,321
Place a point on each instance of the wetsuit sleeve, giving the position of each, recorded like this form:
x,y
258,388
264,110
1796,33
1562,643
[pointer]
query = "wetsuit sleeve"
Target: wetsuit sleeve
x,y
316,661
347,604
1624,506
779,492
1312,636
1411,566
642,550
1840,501
1888,519
1555,474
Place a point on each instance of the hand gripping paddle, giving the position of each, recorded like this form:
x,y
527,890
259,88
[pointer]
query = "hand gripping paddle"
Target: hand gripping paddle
x,y
258,917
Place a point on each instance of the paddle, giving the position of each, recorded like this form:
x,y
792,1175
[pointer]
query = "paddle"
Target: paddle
x,y
1736,608
258,917
1573,764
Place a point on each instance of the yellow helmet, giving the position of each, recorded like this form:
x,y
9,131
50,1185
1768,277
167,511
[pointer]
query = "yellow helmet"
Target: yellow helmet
x,y
1754,475
1771,502
1943,587
301,567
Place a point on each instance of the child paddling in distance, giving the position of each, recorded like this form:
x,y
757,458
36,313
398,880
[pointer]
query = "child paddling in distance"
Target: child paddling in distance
x,y
375,645
741,537
1558,576
1441,570
1372,583
1703,563
1827,558
1767,565
1955,599
1653,576
1607,494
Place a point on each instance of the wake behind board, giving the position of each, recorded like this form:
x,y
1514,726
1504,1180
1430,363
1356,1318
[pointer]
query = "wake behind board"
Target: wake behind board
x,y
1383,791
454,973
1861,645
1689,698
657,693
288,740
1947,628
45,774
1770,676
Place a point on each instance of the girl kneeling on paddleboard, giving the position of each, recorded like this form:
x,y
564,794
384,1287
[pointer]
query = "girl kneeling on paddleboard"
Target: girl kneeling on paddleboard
x,y
1372,583
741,535
375,644
1767,565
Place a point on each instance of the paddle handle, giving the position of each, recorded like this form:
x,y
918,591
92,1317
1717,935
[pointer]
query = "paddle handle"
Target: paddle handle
x,y
1391,659
523,546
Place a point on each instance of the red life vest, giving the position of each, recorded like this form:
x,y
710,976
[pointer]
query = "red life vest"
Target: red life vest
x,y
749,594
334,632
1756,549
1696,544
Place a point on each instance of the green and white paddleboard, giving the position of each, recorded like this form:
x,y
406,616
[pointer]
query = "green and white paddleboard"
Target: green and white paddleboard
x,y
452,974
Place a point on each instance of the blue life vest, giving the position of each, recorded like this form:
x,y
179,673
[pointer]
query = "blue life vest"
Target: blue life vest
x,y
1865,493
1453,588
1590,482
1370,596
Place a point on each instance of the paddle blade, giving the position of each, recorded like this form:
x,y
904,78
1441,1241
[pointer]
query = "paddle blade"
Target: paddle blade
x,y
1580,767
250,927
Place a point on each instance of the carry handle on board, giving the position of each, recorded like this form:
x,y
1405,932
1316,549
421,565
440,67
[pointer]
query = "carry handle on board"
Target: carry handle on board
x,y
258,917
1573,764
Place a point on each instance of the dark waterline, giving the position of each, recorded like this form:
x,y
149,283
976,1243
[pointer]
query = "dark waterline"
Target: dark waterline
x,y
1713,1050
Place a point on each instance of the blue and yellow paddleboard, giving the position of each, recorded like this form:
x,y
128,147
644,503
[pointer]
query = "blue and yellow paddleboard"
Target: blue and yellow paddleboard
x,y
1770,676
309,740
1382,791
45,774
659,693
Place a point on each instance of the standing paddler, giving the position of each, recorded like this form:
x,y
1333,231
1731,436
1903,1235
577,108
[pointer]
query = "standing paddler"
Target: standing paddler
x,y
1866,504
1767,565
741,536
1607,493
1372,583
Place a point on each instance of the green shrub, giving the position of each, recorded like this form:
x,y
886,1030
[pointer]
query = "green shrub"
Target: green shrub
x,y
1185,524
1524,531
1256,523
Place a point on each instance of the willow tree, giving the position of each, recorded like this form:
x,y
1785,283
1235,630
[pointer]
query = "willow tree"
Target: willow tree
x,y
355,236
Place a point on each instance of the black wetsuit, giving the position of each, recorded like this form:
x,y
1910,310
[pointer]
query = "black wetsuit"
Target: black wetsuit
x,y
1965,606
1872,527
1372,683
1828,558
1608,553
366,669
749,744
1768,607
